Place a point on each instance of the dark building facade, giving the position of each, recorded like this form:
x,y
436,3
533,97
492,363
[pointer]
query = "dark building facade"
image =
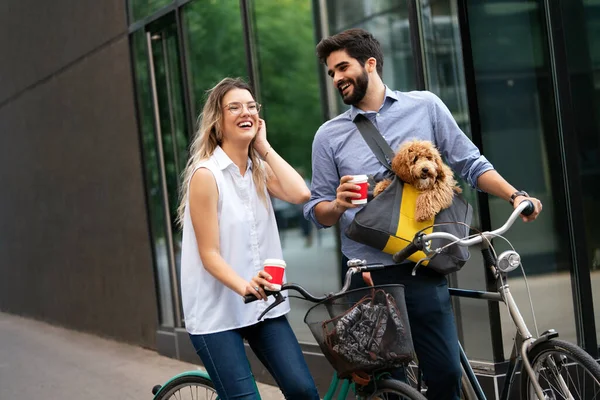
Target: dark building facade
x,y
97,111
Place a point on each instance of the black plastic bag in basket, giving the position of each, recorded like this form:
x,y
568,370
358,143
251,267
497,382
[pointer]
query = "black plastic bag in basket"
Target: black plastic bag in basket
x,y
371,335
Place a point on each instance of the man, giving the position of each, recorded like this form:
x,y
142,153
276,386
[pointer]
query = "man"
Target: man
x,y
354,61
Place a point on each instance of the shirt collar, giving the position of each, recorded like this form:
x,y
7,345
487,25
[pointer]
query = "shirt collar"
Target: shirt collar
x,y
389,94
223,160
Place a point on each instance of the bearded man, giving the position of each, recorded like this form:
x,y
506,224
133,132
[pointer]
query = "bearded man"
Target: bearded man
x,y
354,61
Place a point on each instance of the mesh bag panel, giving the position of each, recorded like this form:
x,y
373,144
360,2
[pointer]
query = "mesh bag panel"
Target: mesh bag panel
x,y
363,330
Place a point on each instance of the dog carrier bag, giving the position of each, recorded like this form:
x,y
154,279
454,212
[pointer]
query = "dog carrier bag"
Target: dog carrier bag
x,y
387,222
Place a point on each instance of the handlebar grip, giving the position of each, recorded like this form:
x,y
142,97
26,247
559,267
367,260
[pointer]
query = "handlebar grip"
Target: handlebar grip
x,y
249,298
529,209
406,252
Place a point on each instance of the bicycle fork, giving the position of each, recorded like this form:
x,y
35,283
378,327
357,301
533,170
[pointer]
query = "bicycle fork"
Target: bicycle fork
x,y
528,340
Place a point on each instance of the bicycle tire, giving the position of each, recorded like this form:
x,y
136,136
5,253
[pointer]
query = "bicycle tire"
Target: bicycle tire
x,y
399,390
188,388
571,363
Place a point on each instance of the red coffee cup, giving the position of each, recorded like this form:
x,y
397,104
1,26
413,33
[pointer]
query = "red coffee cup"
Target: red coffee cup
x,y
360,180
276,268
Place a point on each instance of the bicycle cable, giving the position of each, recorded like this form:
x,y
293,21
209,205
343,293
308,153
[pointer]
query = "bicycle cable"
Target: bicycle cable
x,y
524,278
479,233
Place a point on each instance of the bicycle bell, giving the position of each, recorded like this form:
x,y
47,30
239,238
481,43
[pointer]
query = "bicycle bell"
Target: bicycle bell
x,y
508,261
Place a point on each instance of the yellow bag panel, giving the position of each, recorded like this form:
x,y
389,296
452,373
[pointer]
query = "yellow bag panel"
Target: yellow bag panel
x,y
408,226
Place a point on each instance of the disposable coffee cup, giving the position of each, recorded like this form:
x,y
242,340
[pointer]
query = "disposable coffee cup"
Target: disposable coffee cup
x,y
360,180
276,268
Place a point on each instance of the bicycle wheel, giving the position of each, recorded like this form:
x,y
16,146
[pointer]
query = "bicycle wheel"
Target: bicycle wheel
x,y
390,389
188,388
563,370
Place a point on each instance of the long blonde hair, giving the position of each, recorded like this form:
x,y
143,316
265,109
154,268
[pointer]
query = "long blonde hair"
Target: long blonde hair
x,y
210,135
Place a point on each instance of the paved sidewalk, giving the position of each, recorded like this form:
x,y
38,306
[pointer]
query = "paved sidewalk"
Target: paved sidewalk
x,y
41,361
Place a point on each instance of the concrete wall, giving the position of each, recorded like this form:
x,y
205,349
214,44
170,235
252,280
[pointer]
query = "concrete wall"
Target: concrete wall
x,y
74,242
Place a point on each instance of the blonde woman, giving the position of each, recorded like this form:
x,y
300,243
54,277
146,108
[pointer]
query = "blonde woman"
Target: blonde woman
x,y
229,229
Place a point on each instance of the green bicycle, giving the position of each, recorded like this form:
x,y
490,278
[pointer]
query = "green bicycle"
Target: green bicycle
x,y
377,384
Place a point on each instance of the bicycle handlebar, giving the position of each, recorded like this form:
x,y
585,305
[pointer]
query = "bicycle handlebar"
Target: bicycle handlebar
x,y
526,208
360,266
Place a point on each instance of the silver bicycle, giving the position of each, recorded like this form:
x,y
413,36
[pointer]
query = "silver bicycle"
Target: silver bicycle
x,y
550,369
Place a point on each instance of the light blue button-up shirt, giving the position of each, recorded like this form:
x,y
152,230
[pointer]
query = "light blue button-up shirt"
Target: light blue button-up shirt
x,y
339,149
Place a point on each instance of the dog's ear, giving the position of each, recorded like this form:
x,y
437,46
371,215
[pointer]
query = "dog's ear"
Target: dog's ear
x,y
442,169
401,164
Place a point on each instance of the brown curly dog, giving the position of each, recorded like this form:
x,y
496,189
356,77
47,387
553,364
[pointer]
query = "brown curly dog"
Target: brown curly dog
x,y
419,164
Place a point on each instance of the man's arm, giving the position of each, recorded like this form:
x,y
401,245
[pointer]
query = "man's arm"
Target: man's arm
x,y
326,205
493,183
328,213
464,157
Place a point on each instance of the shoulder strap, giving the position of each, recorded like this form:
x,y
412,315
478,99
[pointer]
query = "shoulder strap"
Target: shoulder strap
x,y
376,142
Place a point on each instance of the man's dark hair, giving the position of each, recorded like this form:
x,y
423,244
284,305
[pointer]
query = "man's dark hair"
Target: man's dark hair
x,y
358,43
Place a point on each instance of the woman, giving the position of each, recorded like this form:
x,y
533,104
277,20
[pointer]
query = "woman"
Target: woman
x,y
229,229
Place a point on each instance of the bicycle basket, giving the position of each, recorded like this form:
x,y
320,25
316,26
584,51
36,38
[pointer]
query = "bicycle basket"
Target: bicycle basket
x,y
363,330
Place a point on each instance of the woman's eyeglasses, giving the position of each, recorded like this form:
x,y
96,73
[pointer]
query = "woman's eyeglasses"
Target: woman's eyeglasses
x,y
236,107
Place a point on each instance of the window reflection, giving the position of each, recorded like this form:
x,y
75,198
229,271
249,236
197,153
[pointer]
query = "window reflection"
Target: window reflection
x,y
173,135
214,44
152,174
290,94
388,22
139,9
519,128
583,35
444,76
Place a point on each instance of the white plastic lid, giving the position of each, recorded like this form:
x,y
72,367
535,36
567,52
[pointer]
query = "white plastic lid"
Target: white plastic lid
x,y
359,178
275,261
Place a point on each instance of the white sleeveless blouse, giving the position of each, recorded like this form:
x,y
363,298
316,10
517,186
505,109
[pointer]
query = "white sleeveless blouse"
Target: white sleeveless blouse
x,y
248,235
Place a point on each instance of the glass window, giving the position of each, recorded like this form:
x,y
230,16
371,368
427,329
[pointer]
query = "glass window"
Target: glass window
x,y
290,94
152,171
388,22
292,120
139,9
215,46
350,13
520,137
582,33
173,132
444,76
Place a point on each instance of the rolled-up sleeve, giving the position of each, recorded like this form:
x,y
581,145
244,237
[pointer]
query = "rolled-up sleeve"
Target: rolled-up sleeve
x,y
325,179
456,147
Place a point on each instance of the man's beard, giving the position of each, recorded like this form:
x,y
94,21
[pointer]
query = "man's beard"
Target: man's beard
x,y
359,89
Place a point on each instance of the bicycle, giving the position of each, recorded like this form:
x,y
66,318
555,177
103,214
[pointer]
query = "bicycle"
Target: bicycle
x,y
197,385
551,369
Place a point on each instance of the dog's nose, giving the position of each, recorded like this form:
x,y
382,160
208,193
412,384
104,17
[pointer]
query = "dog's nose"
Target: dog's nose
x,y
425,170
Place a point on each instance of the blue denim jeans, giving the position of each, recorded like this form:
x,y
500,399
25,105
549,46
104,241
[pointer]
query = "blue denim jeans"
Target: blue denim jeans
x,y
275,345
431,324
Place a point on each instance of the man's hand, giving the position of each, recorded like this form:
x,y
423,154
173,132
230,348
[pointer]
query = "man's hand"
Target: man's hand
x,y
536,203
344,196
328,213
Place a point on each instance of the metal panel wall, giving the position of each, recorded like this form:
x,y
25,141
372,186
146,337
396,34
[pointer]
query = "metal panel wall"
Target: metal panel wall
x,y
74,242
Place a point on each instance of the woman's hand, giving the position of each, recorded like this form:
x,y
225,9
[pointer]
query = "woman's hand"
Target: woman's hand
x,y
261,145
256,284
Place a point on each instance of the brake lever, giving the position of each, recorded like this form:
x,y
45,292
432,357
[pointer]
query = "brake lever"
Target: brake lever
x,y
429,254
278,300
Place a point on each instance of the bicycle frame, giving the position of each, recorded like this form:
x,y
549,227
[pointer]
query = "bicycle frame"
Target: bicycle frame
x,y
524,340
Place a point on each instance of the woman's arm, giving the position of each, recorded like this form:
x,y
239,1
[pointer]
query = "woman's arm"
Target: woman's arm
x,y
203,199
283,181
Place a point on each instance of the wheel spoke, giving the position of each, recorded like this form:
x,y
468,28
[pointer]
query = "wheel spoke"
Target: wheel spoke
x,y
190,390
564,372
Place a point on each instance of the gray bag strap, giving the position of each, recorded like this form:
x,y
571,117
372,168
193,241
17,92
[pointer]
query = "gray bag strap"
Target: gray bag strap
x,y
376,142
